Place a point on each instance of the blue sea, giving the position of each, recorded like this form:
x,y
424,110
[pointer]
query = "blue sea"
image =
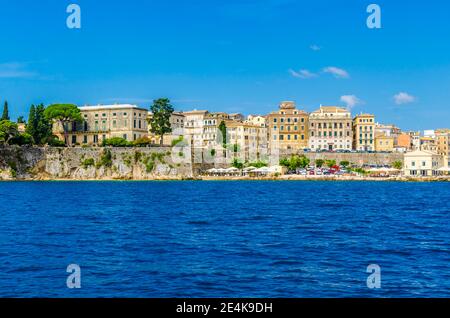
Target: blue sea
x,y
225,239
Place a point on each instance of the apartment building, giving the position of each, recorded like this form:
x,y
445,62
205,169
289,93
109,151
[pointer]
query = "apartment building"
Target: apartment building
x,y
330,128
288,128
251,140
193,126
106,121
211,123
364,132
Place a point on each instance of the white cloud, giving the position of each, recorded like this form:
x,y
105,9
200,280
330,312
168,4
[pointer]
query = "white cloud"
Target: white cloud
x,y
404,98
304,74
337,72
351,101
315,47
15,70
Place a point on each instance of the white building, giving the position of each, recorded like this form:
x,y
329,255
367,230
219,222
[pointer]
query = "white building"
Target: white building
x,y
330,128
422,163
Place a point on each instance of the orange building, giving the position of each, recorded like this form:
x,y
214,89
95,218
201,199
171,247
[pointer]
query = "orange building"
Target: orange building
x,y
404,140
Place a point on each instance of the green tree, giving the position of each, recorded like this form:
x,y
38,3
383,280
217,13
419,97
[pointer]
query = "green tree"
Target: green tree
x,y
22,139
344,163
43,126
8,131
159,122
397,164
64,114
319,163
330,163
116,142
31,126
20,120
39,126
295,162
223,132
5,115
237,163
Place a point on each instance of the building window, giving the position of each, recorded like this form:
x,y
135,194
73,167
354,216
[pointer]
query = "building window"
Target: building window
x,y
74,139
85,139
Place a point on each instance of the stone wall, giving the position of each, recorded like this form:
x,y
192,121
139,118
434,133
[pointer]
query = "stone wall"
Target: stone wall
x,y
95,163
34,163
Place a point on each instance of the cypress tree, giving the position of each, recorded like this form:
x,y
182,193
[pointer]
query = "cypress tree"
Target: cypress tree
x,y
31,127
43,125
5,115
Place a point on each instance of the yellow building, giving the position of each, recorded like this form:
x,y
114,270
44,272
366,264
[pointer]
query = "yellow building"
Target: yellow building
x,y
384,143
288,128
251,140
330,128
106,121
364,132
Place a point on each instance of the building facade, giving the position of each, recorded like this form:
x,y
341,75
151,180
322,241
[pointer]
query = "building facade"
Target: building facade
x,y
106,121
330,128
251,140
364,132
384,143
422,163
288,128
193,126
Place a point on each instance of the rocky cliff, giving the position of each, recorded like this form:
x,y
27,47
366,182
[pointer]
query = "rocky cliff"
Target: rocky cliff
x,y
35,163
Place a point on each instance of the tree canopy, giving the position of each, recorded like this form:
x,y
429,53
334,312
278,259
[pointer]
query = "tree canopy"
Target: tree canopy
x,y
159,121
8,131
63,113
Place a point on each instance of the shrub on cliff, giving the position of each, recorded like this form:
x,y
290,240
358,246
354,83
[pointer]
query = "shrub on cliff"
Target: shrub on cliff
x,y
105,159
22,139
86,163
142,142
116,142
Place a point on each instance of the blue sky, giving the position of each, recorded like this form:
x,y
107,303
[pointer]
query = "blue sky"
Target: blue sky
x,y
236,56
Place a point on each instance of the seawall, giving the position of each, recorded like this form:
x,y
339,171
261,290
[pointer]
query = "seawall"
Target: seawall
x,y
44,163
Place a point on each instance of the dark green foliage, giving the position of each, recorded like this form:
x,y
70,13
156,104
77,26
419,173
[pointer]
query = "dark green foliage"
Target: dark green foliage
x,y
223,132
105,159
5,114
116,142
8,131
237,164
319,163
258,164
20,120
330,163
159,121
63,114
22,139
86,163
344,163
39,126
295,162
397,165
142,142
